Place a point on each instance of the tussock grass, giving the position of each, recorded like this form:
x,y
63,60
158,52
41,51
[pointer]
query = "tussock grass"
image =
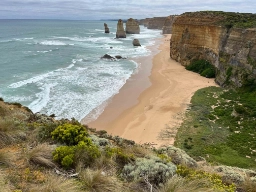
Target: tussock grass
x,y
5,159
249,185
180,184
10,132
106,164
40,155
4,186
96,181
56,184
138,151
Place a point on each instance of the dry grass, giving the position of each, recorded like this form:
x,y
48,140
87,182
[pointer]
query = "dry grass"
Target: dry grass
x,y
40,155
9,132
106,164
96,181
5,159
56,184
179,184
138,151
249,185
4,186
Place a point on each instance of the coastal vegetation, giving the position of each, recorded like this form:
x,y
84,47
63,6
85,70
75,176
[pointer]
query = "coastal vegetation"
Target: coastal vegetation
x,y
223,122
41,153
203,67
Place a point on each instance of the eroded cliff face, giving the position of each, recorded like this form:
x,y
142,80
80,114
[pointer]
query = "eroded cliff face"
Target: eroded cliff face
x,y
167,28
231,50
156,23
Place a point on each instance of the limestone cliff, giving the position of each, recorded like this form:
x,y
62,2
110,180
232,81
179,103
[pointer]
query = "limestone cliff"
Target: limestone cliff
x,y
132,26
167,28
156,23
224,39
120,33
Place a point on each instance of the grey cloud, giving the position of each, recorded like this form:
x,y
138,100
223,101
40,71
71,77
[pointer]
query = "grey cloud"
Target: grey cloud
x,y
99,9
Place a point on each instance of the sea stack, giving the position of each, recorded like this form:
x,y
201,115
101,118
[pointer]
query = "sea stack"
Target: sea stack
x,y
136,42
132,26
120,33
106,28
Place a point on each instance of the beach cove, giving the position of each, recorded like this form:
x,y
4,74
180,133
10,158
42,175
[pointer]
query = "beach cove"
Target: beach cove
x,y
152,100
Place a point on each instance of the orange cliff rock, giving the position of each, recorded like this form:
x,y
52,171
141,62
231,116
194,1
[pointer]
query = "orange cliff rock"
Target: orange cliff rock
x,y
202,35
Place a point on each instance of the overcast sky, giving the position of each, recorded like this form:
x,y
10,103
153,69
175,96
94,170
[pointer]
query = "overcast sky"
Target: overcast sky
x,y
112,9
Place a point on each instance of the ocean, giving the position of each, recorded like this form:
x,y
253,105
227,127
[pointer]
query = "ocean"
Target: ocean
x,y
55,67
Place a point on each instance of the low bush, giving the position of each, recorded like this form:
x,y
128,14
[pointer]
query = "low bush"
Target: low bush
x,y
214,180
83,153
153,168
70,134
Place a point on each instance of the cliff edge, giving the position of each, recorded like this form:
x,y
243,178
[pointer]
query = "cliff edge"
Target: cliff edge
x,y
226,40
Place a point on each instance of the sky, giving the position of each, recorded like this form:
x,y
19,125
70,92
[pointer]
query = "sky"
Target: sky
x,y
113,9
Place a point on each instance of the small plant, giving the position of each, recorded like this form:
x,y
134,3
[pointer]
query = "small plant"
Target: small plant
x,y
70,134
56,184
96,181
69,156
64,155
214,180
156,170
40,155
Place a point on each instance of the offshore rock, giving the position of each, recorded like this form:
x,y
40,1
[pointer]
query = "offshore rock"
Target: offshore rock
x,y
167,28
132,26
106,28
120,33
107,56
136,42
210,36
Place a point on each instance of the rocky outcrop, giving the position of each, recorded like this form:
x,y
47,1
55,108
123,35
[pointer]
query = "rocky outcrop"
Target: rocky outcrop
x,y
120,33
136,42
106,28
132,26
156,23
212,36
167,28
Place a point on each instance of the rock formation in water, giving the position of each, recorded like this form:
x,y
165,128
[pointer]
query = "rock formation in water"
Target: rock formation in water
x,y
167,28
120,33
132,26
106,28
226,40
156,23
136,42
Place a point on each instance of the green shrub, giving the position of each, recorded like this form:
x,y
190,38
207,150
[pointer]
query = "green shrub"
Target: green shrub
x,y
214,179
70,134
86,153
64,155
203,67
69,156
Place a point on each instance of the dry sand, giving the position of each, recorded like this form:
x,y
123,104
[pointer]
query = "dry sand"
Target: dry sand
x,y
145,107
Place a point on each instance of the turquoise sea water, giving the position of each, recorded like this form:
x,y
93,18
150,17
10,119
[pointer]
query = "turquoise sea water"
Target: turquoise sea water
x,y
54,67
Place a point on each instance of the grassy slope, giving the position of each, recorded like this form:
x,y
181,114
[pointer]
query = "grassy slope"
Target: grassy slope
x,y
221,127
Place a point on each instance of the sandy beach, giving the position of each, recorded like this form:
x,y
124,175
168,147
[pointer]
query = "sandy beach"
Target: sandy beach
x,y
153,100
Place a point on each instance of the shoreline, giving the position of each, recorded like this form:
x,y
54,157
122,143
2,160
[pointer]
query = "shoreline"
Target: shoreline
x,y
159,106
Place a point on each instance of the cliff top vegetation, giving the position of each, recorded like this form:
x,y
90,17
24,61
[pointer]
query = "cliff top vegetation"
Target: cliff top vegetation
x,y
228,19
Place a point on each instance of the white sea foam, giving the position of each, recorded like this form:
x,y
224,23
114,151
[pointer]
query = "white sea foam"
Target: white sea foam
x,y
52,42
42,98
